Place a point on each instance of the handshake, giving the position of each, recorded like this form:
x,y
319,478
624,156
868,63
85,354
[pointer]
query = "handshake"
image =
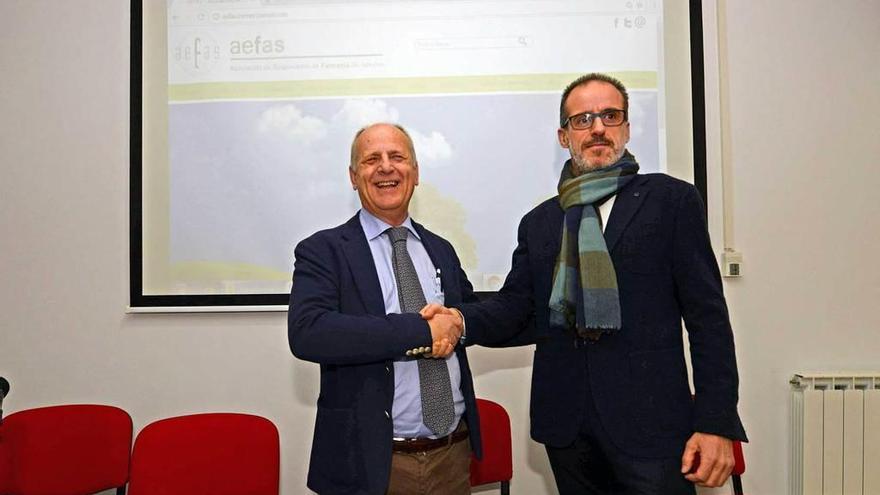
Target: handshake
x,y
447,325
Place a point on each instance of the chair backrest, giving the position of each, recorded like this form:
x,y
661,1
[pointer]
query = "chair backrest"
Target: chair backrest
x,y
65,450
739,466
216,453
497,462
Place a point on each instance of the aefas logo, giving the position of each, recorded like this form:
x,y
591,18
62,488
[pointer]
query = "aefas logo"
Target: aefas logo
x,y
256,46
197,54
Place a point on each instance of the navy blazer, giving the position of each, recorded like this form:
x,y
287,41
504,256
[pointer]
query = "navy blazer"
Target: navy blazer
x,y
666,272
337,319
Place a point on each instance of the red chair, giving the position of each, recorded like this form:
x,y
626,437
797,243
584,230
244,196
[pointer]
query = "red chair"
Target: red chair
x,y
739,467
497,462
214,453
65,450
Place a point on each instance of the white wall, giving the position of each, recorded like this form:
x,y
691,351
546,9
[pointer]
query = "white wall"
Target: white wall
x,y
799,104
801,109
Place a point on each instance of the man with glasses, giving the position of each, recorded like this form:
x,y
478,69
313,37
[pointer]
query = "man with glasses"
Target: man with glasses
x,y
601,279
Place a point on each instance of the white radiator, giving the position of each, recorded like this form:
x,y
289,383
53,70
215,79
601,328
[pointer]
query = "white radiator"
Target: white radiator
x,y
835,434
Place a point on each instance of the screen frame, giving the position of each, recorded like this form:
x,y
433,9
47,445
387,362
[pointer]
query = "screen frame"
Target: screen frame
x,y
139,302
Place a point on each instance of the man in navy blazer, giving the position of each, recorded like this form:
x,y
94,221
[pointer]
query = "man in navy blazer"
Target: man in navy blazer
x,y
345,314
612,403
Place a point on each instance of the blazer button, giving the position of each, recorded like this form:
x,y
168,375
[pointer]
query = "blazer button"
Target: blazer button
x,y
388,368
387,415
408,353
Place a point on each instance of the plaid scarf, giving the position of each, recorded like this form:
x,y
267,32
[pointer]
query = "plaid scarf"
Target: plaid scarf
x,y
584,294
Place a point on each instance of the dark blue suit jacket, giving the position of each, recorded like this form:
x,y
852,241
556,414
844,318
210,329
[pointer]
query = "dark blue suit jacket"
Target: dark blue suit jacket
x,y
337,319
666,272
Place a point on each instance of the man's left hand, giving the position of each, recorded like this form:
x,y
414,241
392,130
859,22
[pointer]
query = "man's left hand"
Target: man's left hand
x,y
715,461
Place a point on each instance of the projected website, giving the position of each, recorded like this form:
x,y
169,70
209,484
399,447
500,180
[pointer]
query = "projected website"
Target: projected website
x,y
265,97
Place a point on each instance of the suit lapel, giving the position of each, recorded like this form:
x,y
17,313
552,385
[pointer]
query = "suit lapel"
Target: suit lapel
x,y
363,269
626,203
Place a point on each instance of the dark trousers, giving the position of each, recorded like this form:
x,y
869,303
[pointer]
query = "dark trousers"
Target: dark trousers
x,y
594,465
588,467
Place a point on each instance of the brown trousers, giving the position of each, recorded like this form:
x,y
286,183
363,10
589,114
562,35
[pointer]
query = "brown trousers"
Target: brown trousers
x,y
443,471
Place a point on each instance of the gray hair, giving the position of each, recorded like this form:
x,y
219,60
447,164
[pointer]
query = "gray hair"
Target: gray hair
x,y
588,78
354,149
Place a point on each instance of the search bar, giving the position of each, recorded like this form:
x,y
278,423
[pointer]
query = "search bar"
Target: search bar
x,y
472,43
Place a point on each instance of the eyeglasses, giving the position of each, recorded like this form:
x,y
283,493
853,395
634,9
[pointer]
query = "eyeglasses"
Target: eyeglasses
x,y
611,117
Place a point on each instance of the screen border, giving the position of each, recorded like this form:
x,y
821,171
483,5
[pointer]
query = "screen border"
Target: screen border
x,y
255,302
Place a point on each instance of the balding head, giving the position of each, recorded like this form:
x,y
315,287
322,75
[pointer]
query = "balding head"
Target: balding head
x,y
354,143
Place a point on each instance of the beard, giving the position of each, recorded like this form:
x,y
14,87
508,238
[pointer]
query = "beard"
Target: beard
x,y
581,164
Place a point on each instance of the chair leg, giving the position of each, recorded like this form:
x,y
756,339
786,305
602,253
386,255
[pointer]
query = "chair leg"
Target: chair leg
x,y
505,488
737,484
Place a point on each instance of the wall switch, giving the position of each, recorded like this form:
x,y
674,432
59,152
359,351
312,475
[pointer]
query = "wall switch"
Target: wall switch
x,y
731,263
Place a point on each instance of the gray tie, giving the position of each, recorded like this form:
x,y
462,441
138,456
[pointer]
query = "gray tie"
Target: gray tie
x,y
436,390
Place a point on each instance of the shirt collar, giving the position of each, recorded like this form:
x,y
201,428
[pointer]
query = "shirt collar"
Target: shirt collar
x,y
373,227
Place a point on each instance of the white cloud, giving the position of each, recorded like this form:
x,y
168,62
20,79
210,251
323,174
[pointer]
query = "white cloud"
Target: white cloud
x,y
431,148
289,120
357,113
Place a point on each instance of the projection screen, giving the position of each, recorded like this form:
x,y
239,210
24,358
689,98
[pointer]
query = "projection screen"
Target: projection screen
x,y
243,113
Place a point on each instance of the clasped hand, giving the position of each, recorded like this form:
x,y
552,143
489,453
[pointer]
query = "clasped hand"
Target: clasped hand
x,y
446,328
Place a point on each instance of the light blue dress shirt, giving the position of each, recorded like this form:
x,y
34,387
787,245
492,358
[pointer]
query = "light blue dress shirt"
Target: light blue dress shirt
x,y
406,411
